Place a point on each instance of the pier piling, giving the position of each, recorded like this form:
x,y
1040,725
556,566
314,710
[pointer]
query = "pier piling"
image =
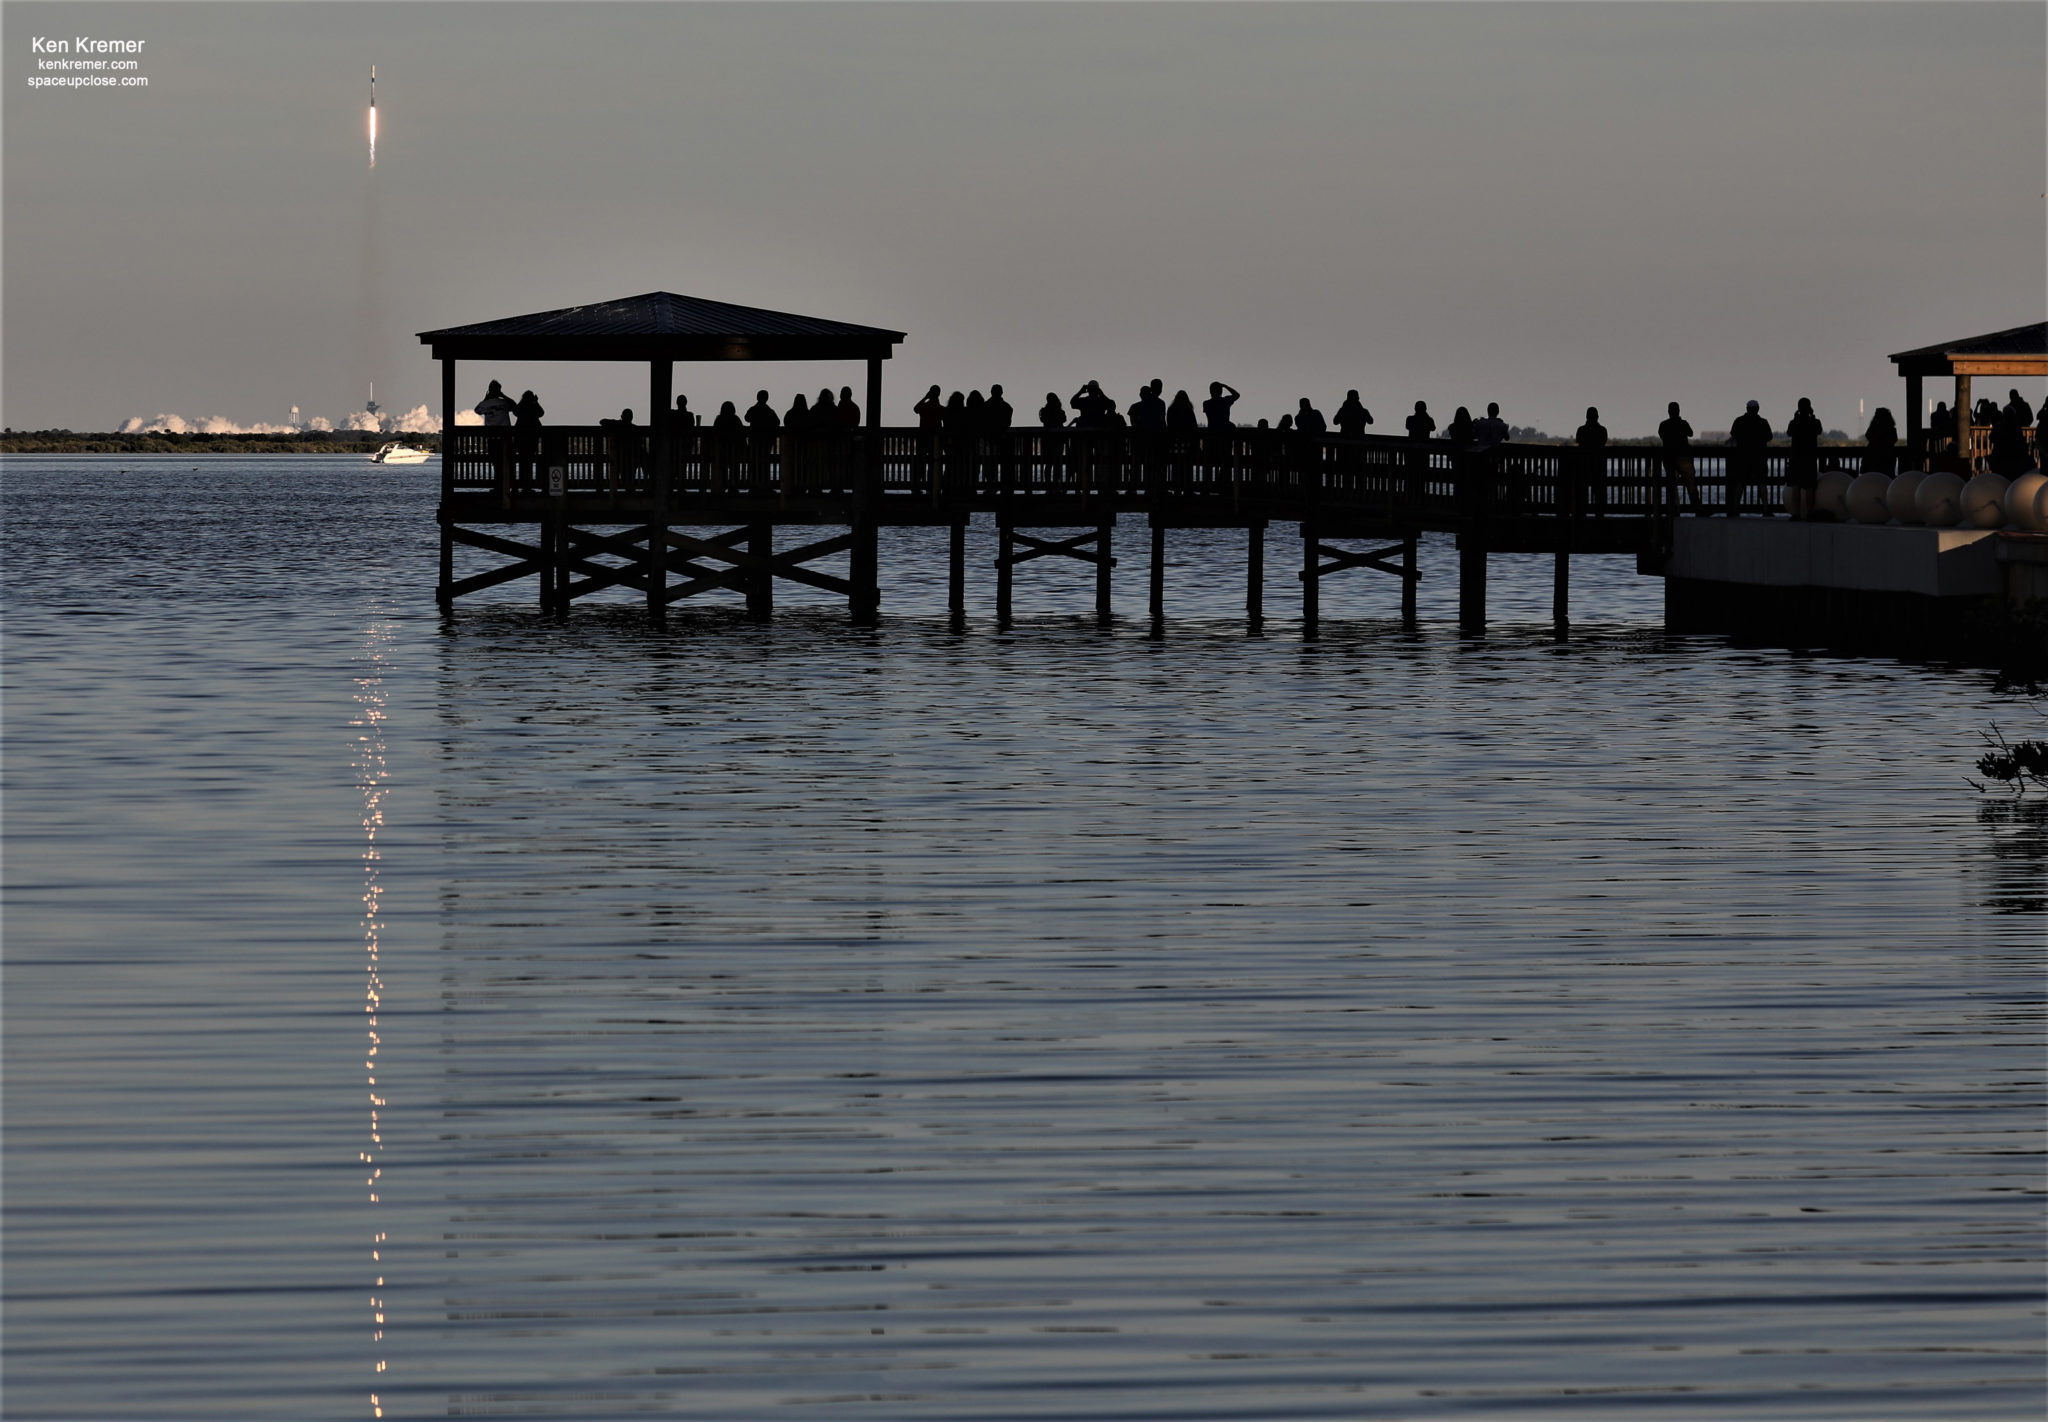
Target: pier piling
x,y
1005,572
1472,580
1255,579
1103,563
956,574
1158,601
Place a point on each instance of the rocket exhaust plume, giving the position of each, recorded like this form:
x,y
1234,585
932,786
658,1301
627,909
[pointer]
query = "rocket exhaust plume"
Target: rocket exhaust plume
x,y
370,309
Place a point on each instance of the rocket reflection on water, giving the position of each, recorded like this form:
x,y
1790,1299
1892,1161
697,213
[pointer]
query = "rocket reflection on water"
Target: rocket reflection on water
x,y
373,116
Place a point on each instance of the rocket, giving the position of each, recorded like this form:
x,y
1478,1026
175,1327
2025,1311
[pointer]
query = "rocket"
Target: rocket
x,y
373,116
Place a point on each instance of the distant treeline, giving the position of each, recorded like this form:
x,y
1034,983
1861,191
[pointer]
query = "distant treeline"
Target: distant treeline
x,y
158,442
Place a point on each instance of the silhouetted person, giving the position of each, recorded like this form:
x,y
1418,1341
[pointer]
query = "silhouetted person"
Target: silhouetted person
x,y
726,428
1751,435
527,436
1286,424
954,416
622,451
1217,407
996,413
1052,415
1941,425
1592,443
930,411
1802,465
1420,426
1459,430
977,411
1180,415
1091,407
1309,420
1351,417
798,416
1490,431
496,407
1675,434
1148,411
2009,438
761,416
1880,442
849,413
1987,413
825,413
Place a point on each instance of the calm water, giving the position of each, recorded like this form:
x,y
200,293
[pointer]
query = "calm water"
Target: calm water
x,y
498,1018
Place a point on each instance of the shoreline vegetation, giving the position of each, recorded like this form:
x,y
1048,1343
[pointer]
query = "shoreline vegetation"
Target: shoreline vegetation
x,y
14,441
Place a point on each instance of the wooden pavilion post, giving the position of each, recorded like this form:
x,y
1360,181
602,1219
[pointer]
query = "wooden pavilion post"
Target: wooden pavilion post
x,y
1916,424
864,600
661,379
445,593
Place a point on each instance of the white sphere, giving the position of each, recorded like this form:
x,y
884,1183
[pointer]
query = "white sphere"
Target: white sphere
x,y
1831,494
2021,498
1939,500
1865,498
1899,497
1983,501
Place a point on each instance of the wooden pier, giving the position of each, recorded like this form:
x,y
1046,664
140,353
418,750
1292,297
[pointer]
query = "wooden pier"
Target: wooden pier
x,y
591,508
671,509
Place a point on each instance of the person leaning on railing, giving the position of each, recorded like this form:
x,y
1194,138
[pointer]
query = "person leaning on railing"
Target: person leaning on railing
x,y
1676,435
1881,443
1592,442
1802,465
1751,435
1420,426
526,438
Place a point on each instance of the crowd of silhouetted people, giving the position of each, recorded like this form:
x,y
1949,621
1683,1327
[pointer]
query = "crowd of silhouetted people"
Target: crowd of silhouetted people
x,y
2014,430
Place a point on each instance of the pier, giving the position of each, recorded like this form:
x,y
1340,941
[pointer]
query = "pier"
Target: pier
x,y
674,511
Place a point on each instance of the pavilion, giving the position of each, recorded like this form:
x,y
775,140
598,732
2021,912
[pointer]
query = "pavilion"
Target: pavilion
x,y
661,328
2022,350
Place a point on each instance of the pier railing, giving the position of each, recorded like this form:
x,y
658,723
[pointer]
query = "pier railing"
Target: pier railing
x,y
1232,473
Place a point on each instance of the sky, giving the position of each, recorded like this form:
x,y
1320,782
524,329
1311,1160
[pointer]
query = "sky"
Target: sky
x,y
1545,205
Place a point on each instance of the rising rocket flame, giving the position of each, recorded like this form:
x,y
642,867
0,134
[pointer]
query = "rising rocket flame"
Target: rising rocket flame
x,y
373,116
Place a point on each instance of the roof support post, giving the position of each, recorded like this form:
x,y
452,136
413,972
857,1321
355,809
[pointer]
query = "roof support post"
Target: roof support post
x,y
445,592
661,375
864,564
1916,425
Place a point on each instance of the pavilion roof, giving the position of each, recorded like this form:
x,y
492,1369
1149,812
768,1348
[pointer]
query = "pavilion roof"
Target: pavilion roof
x,y
2022,350
661,325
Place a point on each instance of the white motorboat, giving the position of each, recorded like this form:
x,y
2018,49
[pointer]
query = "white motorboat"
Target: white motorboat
x,y
401,453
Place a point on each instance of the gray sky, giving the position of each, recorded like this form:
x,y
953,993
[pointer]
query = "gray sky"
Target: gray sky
x,y
1547,205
